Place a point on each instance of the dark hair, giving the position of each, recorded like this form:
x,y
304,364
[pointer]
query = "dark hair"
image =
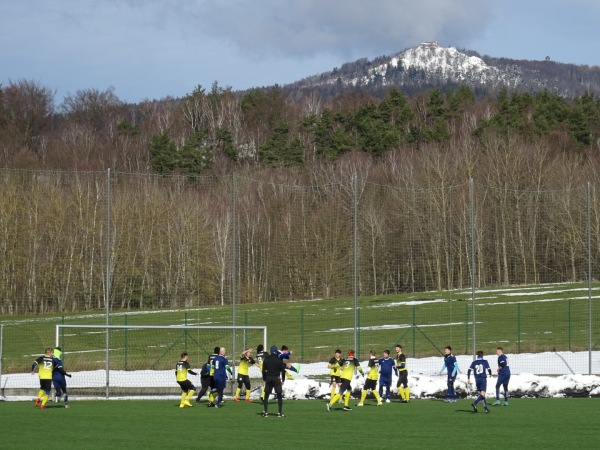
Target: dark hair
x,y
479,352
386,351
499,348
259,348
448,347
184,354
217,350
338,351
399,346
284,347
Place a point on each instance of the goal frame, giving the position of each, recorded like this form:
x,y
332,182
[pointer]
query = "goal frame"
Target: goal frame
x,y
106,327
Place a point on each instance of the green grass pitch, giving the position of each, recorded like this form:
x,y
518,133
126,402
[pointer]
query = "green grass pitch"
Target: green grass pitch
x,y
132,424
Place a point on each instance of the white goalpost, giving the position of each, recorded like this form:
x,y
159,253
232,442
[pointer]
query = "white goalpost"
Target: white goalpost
x,y
139,360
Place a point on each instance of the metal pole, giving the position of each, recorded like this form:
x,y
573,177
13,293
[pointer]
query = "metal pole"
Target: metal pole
x,y
233,271
1,348
472,214
589,245
355,226
107,282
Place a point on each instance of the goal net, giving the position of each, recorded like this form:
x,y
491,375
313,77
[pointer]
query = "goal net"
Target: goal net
x,y
139,360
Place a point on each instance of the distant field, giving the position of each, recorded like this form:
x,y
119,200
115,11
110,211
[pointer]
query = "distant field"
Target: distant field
x,y
522,319
526,423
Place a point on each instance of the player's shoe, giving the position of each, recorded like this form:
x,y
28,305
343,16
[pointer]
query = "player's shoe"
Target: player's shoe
x,y
289,375
447,400
210,405
347,408
379,404
43,407
453,400
280,415
249,400
496,403
297,368
505,402
474,407
236,399
387,400
187,403
181,405
486,410
328,407
264,414
360,404
37,402
67,406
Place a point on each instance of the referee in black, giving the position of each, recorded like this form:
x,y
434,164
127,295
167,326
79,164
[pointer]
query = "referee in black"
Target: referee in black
x,y
273,372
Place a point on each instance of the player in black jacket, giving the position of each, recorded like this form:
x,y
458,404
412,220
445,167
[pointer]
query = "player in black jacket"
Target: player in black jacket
x,y
273,371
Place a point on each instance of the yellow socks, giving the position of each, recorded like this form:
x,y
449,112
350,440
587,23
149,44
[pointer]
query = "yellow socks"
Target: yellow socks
x,y
237,393
346,398
377,397
363,396
334,399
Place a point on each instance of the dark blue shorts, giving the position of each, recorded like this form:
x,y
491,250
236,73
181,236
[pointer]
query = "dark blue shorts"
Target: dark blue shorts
x,y
481,384
220,383
503,379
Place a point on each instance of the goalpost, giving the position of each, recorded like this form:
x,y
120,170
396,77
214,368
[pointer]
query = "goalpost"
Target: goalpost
x,y
139,360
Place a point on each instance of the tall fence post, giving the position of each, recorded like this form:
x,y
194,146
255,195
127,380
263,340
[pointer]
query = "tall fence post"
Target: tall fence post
x,y
107,289
589,248
1,354
355,265
473,272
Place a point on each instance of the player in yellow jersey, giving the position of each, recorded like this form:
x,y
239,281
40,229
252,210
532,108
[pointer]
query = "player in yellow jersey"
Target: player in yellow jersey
x,y
261,354
46,365
348,365
402,385
243,378
181,373
335,371
371,381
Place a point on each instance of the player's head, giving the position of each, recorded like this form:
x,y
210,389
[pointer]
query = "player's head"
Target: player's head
x,y
56,352
386,353
398,348
274,350
447,349
222,351
480,353
499,351
184,356
338,353
284,348
259,348
48,351
350,353
216,350
372,352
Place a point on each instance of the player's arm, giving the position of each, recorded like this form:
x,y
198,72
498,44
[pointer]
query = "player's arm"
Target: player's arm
x,y
455,369
469,375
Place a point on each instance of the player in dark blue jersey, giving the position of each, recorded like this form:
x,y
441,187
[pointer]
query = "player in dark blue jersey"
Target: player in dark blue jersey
x,y
387,365
58,378
220,367
503,376
479,368
451,367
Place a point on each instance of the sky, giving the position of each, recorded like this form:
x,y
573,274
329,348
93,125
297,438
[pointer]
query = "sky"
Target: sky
x,y
424,380
152,49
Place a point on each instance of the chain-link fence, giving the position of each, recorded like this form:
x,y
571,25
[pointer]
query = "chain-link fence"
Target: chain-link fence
x,y
324,264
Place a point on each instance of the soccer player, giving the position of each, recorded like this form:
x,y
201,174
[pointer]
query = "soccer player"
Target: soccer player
x,y
273,372
503,376
348,365
220,369
371,381
46,365
451,366
261,354
213,393
386,366
402,385
479,367
243,378
58,377
285,353
205,379
335,371
182,368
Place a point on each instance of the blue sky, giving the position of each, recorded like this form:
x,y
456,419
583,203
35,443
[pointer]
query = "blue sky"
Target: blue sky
x,y
151,49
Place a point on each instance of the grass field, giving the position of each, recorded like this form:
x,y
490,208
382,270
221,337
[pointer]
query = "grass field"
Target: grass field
x,y
526,424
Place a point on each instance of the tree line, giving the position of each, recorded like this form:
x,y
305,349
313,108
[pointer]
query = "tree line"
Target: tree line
x,y
219,197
